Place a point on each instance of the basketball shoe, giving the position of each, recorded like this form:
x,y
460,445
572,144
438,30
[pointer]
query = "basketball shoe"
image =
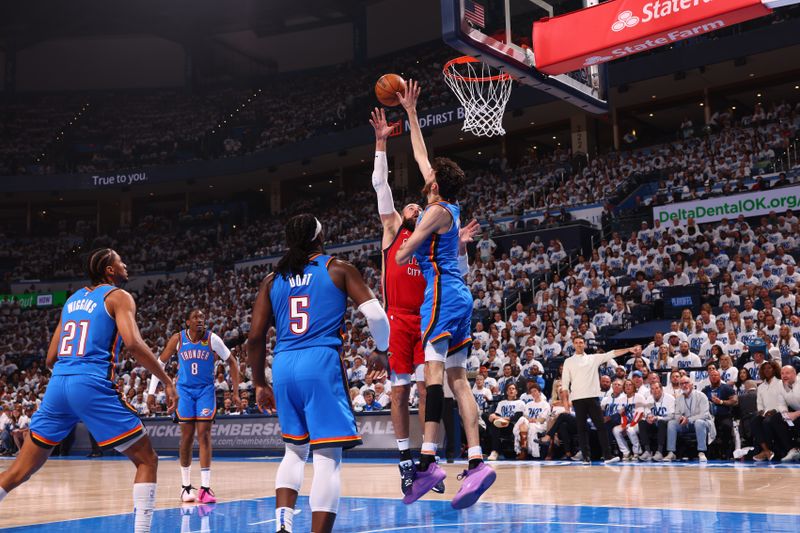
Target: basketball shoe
x,y
206,495
476,481
187,496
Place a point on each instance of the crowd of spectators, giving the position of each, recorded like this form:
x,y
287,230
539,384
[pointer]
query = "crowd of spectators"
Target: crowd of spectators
x,y
530,301
104,131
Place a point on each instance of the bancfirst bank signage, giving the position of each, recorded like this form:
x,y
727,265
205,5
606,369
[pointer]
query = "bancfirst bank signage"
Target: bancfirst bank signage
x,y
714,209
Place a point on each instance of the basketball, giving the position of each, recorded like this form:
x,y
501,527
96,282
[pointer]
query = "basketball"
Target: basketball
x,y
387,88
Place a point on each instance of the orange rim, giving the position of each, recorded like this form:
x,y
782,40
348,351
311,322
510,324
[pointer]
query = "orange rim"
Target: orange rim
x,y
451,73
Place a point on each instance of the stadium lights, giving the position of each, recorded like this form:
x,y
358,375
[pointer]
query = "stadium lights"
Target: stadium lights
x,y
261,189
733,108
702,104
797,86
554,137
758,95
330,181
653,97
480,153
651,115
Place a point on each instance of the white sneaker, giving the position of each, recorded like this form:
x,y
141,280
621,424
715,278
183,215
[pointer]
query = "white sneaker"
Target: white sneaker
x,y
614,459
187,496
669,457
578,456
658,457
646,457
793,455
702,457
493,456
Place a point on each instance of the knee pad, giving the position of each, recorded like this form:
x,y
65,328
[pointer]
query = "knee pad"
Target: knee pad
x,y
434,403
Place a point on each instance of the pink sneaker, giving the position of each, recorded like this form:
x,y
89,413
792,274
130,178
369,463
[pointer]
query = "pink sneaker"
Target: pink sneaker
x,y
205,495
476,482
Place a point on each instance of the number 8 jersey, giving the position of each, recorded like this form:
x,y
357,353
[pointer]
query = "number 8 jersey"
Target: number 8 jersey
x,y
308,309
196,359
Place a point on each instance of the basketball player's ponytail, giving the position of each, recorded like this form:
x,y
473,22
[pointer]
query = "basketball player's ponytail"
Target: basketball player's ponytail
x,y
99,260
302,238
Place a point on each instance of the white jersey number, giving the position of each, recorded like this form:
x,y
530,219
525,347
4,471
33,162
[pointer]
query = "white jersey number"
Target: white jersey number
x,y
298,315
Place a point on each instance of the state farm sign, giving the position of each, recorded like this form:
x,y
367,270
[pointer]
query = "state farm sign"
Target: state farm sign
x,y
623,27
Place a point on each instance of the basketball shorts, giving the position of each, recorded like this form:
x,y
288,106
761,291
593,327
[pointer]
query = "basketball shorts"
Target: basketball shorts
x,y
196,404
69,399
405,345
447,317
313,399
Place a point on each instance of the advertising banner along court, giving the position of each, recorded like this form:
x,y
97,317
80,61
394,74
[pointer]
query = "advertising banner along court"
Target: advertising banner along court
x,y
749,204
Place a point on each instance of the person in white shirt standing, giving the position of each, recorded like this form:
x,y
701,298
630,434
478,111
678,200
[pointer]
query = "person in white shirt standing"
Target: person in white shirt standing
x,y
580,387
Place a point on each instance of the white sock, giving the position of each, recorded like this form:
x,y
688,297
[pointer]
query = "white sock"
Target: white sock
x,y
474,452
402,444
144,501
186,475
205,477
428,448
284,516
3,493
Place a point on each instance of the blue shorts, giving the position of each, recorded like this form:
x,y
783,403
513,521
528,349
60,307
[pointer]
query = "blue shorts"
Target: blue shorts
x,y
196,403
447,316
95,401
313,399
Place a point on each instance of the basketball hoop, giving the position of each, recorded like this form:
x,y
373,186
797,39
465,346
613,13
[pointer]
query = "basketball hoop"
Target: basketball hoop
x,y
483,91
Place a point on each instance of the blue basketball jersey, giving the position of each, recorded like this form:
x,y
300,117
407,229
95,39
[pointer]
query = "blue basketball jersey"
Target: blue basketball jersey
x,y
89,342
195,361
438,254
309,309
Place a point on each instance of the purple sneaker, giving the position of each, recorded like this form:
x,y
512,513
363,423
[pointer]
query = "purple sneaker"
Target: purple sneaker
x,y
478,480
424,482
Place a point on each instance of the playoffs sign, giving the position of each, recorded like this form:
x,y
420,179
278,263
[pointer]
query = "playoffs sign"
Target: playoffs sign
x,y
616,29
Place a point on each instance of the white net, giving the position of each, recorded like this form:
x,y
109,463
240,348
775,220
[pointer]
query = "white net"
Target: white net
x,y
484,93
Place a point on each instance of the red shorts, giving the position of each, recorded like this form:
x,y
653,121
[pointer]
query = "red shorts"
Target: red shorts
x,y
405,342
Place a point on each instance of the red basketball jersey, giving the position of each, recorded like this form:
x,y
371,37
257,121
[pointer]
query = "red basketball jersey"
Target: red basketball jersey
x,y
403,285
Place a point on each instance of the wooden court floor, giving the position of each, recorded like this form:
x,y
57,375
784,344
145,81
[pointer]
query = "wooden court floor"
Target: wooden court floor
x,y
72,489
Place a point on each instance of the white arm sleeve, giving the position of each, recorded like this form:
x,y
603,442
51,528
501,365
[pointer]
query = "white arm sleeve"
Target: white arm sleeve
x,y
219,348
380,182
378,323
154,381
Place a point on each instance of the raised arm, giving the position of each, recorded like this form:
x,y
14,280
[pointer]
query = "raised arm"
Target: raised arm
x,y
436,218
390,218
257,345
121,306
409,103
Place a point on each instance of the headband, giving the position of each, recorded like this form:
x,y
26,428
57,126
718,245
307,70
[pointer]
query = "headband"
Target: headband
x,y
318,230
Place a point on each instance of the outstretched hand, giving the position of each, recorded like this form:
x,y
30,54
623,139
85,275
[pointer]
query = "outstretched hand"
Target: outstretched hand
x,y
409,99
378,122
467,234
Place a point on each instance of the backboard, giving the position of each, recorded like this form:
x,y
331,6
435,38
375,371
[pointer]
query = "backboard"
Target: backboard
x,y
499,32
